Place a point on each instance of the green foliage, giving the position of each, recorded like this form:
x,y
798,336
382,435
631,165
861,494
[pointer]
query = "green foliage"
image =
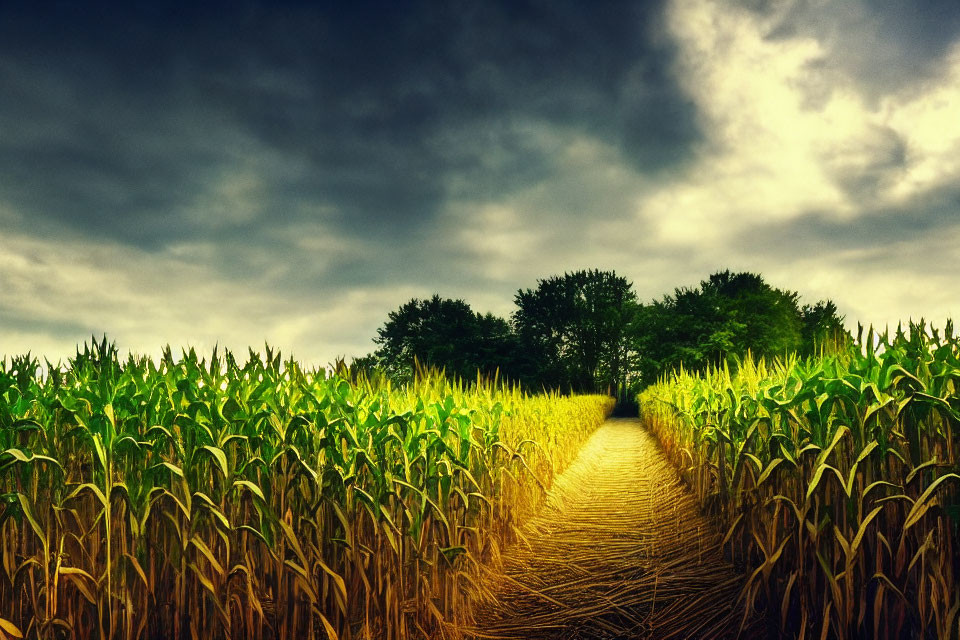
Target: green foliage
x,y
728,316
208,498
837,477
575,327
586,331
822,329
444,334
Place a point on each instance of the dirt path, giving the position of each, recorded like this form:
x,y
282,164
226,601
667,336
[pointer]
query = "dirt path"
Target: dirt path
x,y
618,551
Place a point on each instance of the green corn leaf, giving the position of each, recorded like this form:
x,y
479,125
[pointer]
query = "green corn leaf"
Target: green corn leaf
x,y
26,505
251,487
919,469
769,470
818,476
917,511
91,488
174,469
218,455
213,508
202,547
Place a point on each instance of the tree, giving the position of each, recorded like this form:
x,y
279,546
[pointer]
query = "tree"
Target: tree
x,y
367,366
574,329
766,320
728,315
446,334
822,328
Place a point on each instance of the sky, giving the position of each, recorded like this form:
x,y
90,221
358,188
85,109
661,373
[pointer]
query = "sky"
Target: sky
x,y
245,172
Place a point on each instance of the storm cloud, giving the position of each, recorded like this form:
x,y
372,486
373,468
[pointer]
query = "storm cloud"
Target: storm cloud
x,y
291,172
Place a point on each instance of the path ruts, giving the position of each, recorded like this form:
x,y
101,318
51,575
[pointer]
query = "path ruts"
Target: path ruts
x,y
618,551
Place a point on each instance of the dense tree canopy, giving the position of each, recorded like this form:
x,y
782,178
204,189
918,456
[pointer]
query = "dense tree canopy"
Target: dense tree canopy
x,y
821,327
443,333
728,315
575,328
585,331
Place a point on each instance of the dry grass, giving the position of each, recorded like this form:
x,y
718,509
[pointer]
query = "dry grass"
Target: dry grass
x,y
618,551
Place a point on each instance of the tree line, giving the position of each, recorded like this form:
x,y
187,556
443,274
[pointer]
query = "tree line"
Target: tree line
x,y
588,331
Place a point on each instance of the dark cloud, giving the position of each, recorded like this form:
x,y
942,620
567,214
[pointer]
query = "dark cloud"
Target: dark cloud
x,y
21,323
864,167
239,170
916,222
881,45
122,122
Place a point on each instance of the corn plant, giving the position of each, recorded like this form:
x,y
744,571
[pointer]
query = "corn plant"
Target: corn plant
x,y
835,479
205,498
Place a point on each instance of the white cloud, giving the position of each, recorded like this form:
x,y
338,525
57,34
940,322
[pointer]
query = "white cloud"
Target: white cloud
x,y
930,124
497,239
882,285
62,291
773,156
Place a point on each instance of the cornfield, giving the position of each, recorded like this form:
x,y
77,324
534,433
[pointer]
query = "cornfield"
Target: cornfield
x,y
835,478
198,498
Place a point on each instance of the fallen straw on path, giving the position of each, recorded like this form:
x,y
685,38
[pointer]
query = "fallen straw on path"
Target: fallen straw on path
x,y
618,551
